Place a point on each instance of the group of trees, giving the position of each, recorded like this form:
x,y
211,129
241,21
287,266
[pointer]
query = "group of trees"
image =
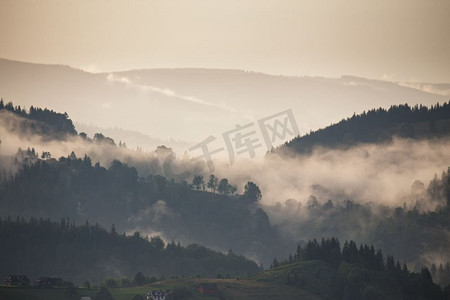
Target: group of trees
x,y
70,187
414,232
439,189
251,191
88,252
100,139
363,273
139,279
214,185
49,122
76,188
441,274
378,125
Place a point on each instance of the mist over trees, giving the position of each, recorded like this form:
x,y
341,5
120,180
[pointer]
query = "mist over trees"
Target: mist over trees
x,y
411,232
252,192
144,194
75,188
361,272
42,121
198,183
222,186
80,190
212,183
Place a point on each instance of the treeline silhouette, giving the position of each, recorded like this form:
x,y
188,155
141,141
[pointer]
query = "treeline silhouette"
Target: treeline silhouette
x,y
81,190
48,122
441,273
76,188
378,125
363,273
415,231
90,253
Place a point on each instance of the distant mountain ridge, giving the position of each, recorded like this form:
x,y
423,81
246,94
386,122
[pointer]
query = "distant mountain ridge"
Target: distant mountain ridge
x,y
191,104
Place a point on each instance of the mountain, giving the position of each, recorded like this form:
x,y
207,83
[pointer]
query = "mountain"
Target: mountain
x,y
377,126
191,104
134,190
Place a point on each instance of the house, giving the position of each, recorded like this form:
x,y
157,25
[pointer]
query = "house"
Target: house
x,y
207,288
156,295
17,280
46,282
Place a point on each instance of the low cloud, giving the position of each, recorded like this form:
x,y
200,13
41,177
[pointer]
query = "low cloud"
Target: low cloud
x,y
443,90
166,92
367,173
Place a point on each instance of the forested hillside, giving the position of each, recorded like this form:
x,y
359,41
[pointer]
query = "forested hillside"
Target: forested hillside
x,y
80,253
411,232
352,272
145,195
43,122
77,189
376,126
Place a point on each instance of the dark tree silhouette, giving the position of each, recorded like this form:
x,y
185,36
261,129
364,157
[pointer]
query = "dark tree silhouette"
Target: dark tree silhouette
x,y
198,182
139,278
103,294
212,183
252,192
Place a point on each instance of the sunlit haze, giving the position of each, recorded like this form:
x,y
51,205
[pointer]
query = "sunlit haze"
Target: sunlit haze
x,y
404,40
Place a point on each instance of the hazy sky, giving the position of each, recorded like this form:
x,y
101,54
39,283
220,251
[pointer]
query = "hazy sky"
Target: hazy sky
x,y
390,39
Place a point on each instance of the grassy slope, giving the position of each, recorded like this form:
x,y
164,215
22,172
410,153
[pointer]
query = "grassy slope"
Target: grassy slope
x,y
318,278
